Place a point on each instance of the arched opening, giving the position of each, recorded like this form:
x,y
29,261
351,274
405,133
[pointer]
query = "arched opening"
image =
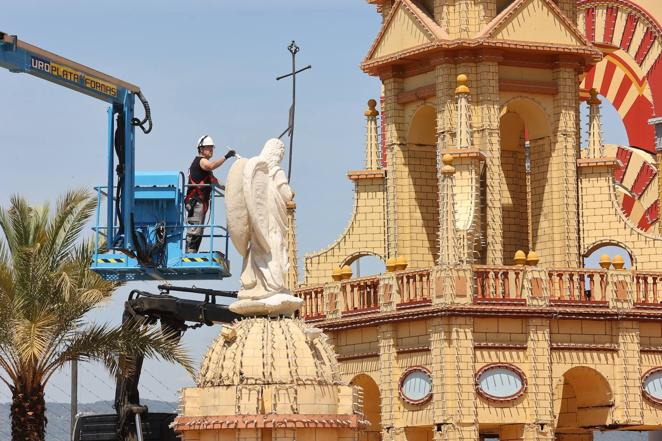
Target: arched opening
x,y
583,401
525,135
420,158
371,407
611,249
365,264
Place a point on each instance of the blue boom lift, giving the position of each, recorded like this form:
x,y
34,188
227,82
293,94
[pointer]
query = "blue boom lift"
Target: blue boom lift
x,y
140,233
142,237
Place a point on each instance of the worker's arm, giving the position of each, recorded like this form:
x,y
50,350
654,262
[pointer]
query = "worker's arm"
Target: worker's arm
x,y
208,165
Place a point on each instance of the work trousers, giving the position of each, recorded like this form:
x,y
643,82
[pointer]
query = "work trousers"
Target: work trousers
x,y
196,216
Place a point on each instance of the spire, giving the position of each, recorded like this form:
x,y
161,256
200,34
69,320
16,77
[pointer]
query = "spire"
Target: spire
x,y
448,252
372,138
595,147
292,273
462,92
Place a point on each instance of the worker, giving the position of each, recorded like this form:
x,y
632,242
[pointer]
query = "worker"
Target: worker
x,y
201,179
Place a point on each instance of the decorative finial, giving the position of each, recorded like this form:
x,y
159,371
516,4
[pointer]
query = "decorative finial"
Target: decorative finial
x,y
401,263
371,108
520,258
447,160
532,258
594,100
605,261
462,84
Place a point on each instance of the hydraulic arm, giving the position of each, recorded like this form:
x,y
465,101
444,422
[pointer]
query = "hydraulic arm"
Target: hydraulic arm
x,y
143,308
20,57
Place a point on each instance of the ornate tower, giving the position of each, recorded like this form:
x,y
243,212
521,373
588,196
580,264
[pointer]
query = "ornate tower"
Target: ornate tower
x,y
523,88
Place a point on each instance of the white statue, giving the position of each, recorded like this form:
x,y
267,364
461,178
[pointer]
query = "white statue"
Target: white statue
x,y
256,197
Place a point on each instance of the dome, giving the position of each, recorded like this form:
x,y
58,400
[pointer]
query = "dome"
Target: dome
x,y
255,351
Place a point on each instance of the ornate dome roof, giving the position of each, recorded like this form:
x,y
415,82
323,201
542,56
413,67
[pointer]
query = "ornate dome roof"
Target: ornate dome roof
x,y
264,351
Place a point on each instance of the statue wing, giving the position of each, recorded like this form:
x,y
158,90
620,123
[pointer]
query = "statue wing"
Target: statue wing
x,y
256,195
235,207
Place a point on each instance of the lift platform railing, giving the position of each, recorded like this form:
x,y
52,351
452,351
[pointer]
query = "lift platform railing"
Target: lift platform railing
x,y
217,231
217,192
160,226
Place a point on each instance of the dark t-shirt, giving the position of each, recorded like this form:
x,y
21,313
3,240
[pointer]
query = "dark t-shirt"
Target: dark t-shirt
x,y
199,176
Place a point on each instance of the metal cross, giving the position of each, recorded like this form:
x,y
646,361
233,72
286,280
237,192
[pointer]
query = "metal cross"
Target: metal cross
x,y
293,48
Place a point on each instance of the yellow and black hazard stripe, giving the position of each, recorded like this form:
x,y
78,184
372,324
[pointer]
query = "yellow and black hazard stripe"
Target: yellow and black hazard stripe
x,y
195,259
201,259
106,260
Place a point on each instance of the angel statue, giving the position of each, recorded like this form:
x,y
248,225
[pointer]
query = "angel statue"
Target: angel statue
x,y
256,197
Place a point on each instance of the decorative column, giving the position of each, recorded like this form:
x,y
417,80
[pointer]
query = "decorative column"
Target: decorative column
x,y
448,246
487,106
389,383
562,178
529,207
437,368
541,401
627,393
293,271
596,148
372,151
459,396
395,126
462,92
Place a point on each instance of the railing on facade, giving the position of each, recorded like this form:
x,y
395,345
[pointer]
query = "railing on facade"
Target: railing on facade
x,y
360,295
647,289
518,285
414,287
498,284
313,303
581,286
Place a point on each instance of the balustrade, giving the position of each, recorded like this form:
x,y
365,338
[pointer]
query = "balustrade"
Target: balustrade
x,y
360,295
577,286
313,303
414,286
647,288
514,284
499,283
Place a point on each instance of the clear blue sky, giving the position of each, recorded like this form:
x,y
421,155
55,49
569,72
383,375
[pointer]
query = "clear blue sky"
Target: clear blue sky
x,y
207,67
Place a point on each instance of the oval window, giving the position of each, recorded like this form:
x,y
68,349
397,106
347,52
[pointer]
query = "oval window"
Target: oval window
x,y
651,383
416,385
500,382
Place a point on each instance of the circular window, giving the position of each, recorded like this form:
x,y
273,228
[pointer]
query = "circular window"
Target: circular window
x,y
651,383
500,382
416,385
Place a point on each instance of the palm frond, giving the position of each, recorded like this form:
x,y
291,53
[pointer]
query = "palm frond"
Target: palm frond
x,y
105,343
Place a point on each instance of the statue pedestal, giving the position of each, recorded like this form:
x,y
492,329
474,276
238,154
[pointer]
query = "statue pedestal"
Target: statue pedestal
x,y
281,304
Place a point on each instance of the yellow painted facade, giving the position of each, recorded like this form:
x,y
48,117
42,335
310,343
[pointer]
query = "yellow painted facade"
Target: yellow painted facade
x,y
480,160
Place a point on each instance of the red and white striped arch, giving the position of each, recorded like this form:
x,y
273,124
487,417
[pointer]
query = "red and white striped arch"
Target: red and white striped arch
x,y
630,75
637,186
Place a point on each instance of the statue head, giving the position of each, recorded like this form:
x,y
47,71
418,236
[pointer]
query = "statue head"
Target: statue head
x,y
273,151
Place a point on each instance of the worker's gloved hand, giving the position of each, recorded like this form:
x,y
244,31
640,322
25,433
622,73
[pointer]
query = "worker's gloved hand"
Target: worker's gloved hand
x,y
230,154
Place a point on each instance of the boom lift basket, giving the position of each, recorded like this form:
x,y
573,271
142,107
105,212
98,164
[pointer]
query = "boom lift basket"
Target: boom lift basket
x,y
159,229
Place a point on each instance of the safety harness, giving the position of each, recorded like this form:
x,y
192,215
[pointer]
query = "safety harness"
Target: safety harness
x,y
197,192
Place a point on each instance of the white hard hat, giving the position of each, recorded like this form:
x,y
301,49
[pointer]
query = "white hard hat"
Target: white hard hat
x,y
205,141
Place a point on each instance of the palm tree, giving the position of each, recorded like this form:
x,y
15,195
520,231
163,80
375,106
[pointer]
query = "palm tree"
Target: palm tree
x,y
46,289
